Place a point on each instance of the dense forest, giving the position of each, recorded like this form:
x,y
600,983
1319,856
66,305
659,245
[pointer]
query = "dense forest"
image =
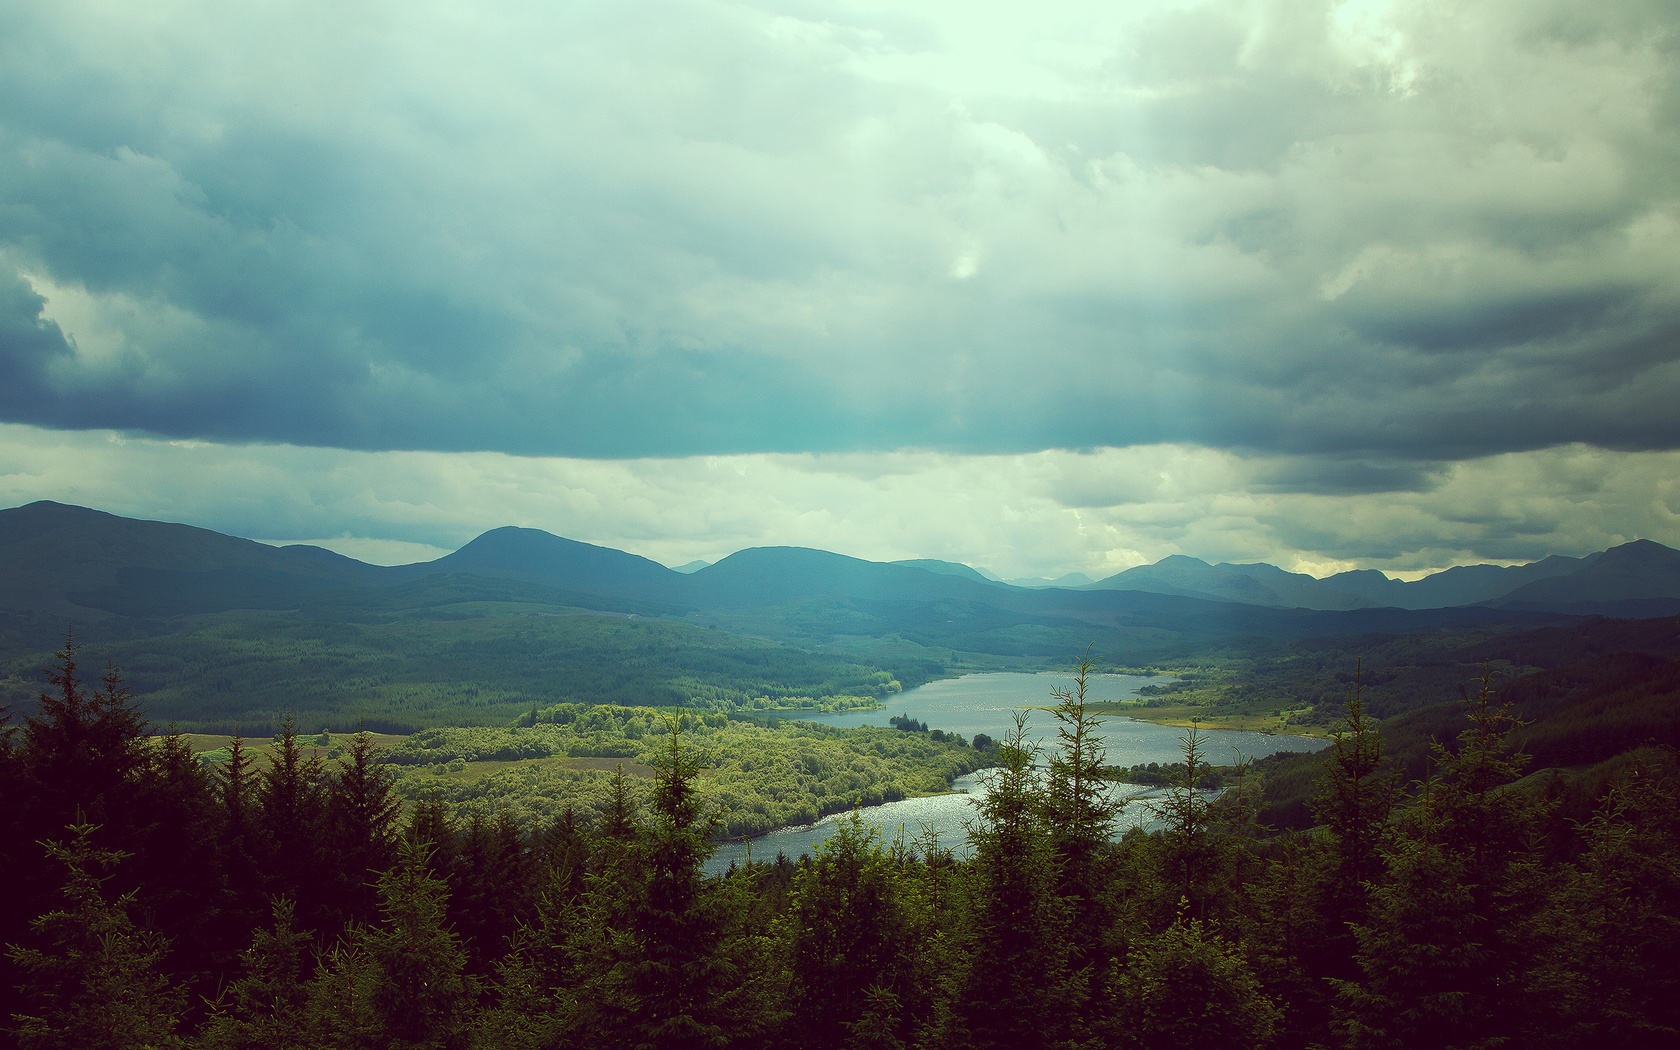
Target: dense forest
x,y
156,900
471,655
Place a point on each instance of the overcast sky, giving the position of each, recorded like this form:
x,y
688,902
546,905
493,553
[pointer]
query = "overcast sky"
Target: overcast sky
x,y
1039,287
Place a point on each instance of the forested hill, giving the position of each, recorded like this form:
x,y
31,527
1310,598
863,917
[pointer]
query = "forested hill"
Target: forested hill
x,y
1584,696
217,632
291,904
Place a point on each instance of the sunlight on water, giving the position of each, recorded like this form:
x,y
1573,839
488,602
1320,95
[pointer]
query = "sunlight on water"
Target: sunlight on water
x,y
987,703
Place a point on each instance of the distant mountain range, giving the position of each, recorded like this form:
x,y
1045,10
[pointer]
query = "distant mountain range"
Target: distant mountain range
x,y
1641,578
67,561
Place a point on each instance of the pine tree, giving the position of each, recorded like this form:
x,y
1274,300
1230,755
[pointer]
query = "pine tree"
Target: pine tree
x,y
267,1007
74,762
851,940
1081,809
663,955
81,749
684,980
174,821
1353,804
421,992
1610,971
1186,987
291,808
1015,990
96,983
1190,851
238,846
1450,933
361,816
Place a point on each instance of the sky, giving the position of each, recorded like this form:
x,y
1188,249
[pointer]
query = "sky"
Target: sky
x,y
1042,288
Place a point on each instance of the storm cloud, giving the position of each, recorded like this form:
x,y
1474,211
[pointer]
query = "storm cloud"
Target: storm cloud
x,y
664,229
1314,282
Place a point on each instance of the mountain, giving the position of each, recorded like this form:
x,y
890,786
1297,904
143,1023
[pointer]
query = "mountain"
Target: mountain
x,y
1641,578
1636,579
66,561
947,568
1259,584
691,566
1460,585
762,576
951,568
554,561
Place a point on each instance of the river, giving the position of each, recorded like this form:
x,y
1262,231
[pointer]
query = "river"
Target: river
x,y
987,703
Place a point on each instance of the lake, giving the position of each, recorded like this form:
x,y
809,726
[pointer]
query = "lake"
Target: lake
x,y
987,703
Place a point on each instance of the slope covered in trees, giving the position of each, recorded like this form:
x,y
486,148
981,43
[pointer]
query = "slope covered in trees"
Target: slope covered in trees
x,y
217,631
177,905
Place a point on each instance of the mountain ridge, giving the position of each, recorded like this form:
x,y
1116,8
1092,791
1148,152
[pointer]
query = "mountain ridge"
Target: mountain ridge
x,y
60,558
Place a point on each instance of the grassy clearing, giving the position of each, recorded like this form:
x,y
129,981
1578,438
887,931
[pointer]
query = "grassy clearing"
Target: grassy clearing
x,y
212,747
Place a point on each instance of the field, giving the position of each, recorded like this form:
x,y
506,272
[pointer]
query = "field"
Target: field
x,y
755,777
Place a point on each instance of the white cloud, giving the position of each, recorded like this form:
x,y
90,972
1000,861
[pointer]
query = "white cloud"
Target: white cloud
x,y
1041,514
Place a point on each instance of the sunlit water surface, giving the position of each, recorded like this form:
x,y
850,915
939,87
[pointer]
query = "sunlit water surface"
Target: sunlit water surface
x,y
988,703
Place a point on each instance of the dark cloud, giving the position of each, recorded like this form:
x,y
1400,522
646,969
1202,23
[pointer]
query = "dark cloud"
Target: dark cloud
x,y
714,230
1337,476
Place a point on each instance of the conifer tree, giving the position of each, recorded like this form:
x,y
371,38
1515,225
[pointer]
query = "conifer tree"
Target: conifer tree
x,y
1187,987
81,748
74,762
1449,934
266,1008
1610,971
174,821
291,807
852,940
361,816
239,856
1190,851
95,983
1354,801
685,979
420,990
1014,991
1081,810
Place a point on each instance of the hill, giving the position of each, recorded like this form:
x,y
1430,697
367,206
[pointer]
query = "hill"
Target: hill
x,y
1637,579
553,561
1583,695
65,560
215,628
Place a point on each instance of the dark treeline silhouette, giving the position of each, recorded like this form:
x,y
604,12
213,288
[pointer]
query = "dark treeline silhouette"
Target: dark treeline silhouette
x,y
153,902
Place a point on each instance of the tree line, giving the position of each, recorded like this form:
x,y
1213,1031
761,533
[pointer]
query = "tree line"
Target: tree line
x,y
155,902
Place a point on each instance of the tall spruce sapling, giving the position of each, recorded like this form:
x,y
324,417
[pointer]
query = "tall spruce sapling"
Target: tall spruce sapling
x,y
1081,809
81,746
1355,798
1450,934
1015,991
96,980
422,991
361,817
291,811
